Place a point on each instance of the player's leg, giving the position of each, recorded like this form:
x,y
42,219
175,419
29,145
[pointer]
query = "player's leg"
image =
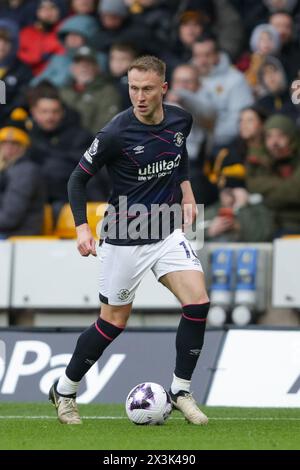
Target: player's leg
x,y
189,288
89,348
122,268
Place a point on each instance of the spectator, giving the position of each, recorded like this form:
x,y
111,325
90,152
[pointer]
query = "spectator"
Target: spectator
x,y
251,133
155,16
282,5
13,72
223,20
75,32
113,14
120,57
277,176
91,93
39,42
228,28
191,25
21,186
238,217
83,7
185,78
249,141
273,81
58,141
289,54
117,26
221,85
264,41
20,11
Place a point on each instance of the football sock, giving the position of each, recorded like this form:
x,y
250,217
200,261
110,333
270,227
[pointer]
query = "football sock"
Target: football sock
x,y
189,339
90,346
180,384
67,387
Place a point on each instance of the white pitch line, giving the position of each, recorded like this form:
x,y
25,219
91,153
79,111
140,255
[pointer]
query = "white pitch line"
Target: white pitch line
x,y
172,418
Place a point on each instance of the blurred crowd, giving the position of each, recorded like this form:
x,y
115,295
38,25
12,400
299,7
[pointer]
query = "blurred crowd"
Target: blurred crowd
x,y
233,64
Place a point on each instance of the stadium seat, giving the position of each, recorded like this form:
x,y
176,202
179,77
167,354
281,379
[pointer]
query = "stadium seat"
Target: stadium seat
x,y
48,222
285,237
32,238
65,227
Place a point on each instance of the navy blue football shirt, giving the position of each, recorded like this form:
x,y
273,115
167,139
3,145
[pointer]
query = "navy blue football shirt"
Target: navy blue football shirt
x,y
146,164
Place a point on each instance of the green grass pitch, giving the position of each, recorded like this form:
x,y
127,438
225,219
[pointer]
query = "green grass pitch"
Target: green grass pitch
x,y
106,427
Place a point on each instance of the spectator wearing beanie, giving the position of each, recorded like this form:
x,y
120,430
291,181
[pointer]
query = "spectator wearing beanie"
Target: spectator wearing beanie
x,y
277,176
91,93
238,216
21,185
117,26
264,41
276,95
73,33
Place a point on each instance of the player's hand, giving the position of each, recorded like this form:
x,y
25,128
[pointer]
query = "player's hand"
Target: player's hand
x,y
189,211
86,243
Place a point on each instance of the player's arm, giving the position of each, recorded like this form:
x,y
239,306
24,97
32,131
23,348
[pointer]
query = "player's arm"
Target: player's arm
x,y
77,196
93,159
188,203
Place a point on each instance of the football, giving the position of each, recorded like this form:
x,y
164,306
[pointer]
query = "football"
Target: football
x,y
148,403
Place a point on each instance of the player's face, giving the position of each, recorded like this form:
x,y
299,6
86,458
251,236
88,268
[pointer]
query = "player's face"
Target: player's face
x,y
146,91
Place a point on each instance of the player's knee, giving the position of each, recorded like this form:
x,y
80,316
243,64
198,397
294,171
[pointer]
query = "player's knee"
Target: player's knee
x,y
201,299
117,318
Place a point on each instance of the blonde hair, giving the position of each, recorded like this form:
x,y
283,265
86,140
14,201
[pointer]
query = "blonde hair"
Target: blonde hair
x,y
147,63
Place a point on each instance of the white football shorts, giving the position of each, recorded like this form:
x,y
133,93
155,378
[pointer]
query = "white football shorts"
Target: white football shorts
x,y
123,267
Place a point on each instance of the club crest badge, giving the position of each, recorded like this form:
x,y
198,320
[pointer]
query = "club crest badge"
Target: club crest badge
x,y
123,294
178,139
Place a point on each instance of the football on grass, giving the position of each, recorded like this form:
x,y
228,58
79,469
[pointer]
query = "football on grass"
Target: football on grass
x,y
148,403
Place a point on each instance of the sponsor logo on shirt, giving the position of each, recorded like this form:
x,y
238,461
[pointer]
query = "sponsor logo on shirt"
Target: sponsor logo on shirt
x,y
158,169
